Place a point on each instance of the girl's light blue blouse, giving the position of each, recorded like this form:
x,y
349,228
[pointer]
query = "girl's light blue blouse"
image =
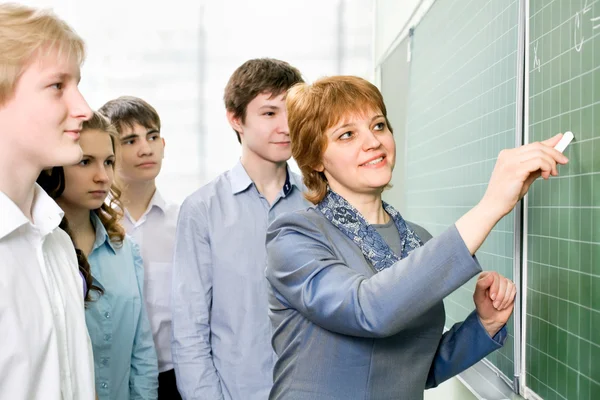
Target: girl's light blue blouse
x,y
125,361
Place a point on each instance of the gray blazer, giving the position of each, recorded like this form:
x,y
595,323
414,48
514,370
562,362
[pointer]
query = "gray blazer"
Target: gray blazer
x,y
343,331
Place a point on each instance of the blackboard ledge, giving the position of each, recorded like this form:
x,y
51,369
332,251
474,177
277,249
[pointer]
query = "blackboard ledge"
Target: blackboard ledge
x,y
485,383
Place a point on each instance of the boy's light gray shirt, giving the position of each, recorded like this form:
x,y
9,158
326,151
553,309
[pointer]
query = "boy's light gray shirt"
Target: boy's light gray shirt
x,y
221,329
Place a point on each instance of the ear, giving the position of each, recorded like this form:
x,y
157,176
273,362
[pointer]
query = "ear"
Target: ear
x,y
319,168
235,122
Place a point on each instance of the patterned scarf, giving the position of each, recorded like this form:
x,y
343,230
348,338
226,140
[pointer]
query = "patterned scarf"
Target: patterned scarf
x,y
348,220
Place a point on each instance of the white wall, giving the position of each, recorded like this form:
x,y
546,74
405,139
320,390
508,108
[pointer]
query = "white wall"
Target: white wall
x,y
390,18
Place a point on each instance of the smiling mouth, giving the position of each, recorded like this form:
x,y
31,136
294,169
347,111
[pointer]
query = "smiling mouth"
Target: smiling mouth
x,y
147,164
373,162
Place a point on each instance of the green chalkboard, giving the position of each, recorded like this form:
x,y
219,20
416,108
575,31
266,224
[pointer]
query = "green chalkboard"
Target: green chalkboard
x,y
394,88
462,111
562,318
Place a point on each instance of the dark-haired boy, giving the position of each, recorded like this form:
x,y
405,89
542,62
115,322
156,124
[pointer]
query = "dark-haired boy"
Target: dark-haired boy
x,y
149,219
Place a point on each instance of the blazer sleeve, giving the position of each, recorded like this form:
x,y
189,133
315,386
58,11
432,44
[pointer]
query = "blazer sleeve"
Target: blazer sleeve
x,y
306,275
461,347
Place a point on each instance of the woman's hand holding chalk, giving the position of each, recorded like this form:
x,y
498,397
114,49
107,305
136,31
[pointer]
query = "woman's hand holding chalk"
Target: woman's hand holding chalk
x,y
564,142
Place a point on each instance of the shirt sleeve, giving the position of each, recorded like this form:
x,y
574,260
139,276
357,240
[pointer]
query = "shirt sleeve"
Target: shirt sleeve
x,y
143,381
306,275
197,377
461,347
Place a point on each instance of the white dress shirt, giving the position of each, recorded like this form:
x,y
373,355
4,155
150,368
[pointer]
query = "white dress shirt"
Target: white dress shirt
x,y
154,232
46,351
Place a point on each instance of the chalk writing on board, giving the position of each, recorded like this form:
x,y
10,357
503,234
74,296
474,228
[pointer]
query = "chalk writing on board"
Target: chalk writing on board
x,y
596,21
578,31
536,60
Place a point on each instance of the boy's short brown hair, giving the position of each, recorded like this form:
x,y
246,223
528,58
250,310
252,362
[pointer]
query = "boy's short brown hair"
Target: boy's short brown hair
x,y
254,77
126,111
314,109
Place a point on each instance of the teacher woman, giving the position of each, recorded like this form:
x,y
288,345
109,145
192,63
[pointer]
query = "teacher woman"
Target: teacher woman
x,y
356,291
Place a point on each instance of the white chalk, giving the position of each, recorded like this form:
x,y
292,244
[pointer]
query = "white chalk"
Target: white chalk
x,y
564,142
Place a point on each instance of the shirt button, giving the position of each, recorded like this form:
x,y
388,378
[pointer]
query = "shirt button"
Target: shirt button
x,y
104,385
107,315
107,337
104,362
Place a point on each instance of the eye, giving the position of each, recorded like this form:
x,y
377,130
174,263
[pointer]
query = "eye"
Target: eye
x,y
130,141
269,113
153,137
57,85
346,135
84,162
379,126
110,163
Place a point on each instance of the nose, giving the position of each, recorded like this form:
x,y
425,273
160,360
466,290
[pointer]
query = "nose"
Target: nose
x,y
101,175
80,109
370,140
282,124
144,149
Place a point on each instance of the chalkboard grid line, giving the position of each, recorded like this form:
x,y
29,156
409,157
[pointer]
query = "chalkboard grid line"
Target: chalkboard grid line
x,y
561,362
577,175
446,225
463,144
459,166
574,47
446,188
570,302
537,396
455,21
459,304
481,72
565,81
562,238
465,24
565,113
480,117
568,21
542,9
453,110
472,99
575,207
495,255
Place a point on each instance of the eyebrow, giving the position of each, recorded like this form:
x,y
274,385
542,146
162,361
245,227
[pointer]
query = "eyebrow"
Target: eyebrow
x,y
64,76
134,135
352,124
93,158
270,107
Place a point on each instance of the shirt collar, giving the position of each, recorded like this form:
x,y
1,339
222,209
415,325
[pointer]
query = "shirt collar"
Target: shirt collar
x,y
45,212
240,180
158,201
101,234
292,180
